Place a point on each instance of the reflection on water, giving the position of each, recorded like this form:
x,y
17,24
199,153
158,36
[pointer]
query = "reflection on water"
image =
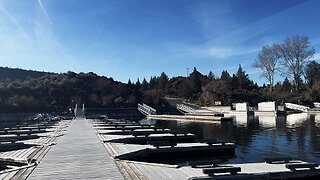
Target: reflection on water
x,y
296,119
267,121
317,120
295,135
242,120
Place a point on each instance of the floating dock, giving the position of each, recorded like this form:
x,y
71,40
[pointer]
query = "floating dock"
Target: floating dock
x,y
134,167
88,149
206,118
19,157
78,155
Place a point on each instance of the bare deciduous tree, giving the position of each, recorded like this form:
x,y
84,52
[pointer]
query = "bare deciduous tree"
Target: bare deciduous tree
x,y
268,62
295,51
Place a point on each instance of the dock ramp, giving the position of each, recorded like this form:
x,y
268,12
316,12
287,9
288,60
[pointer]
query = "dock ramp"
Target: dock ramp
x,y
185,109
146,110
297,107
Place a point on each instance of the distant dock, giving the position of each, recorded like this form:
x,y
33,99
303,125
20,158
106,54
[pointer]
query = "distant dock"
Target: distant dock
x,y
190,114
189,117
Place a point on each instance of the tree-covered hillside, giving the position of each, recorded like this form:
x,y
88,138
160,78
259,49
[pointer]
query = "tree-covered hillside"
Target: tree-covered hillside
x,y
19,74
58,92
25,91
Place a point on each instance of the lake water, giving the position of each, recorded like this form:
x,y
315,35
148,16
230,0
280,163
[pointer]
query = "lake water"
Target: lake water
x,y
256,138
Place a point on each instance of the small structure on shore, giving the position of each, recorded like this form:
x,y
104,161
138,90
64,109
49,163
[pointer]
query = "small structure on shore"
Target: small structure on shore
x,y
269,108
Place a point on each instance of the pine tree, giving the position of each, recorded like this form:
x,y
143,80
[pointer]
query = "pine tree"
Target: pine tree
x,y
153,82
186,90
195,82
210,76
286,85
163,81
225,76
145,84
243,78
138,84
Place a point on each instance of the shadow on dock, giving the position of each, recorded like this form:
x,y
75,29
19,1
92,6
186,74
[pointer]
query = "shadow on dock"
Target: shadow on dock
x,y
181,155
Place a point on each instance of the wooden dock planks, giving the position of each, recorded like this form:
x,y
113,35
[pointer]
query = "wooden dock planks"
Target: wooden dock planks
x,y
79,154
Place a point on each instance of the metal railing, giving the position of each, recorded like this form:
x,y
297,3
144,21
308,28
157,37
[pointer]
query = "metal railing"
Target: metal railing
x,y
146,110
185,108
297,107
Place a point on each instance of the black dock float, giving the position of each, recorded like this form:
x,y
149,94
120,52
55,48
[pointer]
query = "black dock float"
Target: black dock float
x,y
221,169
278,160
297,170
13,146
301,166
145,132
159,144
122,125
178,138
131,128
22,132
2,166
14,138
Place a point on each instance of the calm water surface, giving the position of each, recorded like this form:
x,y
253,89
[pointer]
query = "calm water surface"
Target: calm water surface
x,y
256,138
295,135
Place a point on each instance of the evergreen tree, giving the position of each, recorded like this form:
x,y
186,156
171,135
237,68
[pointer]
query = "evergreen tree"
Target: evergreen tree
x,y
225,76
138,84
153,82
195,81
210,76
144,84
163,81
186,90
286,85
234,82
243,78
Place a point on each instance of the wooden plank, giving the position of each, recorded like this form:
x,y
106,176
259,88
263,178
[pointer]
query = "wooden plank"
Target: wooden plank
x,y
10,175
78,154
136,171
191,172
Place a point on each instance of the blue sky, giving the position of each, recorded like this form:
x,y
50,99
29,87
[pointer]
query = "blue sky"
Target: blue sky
x,y
139,38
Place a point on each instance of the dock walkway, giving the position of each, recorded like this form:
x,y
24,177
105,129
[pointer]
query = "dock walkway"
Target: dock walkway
x,y
79,154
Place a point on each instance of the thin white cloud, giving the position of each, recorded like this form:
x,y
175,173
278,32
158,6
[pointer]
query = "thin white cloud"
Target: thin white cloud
x,y
14,20
214,20
209,51
42,22
224,38
223,53
43,9
39,49
219,22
